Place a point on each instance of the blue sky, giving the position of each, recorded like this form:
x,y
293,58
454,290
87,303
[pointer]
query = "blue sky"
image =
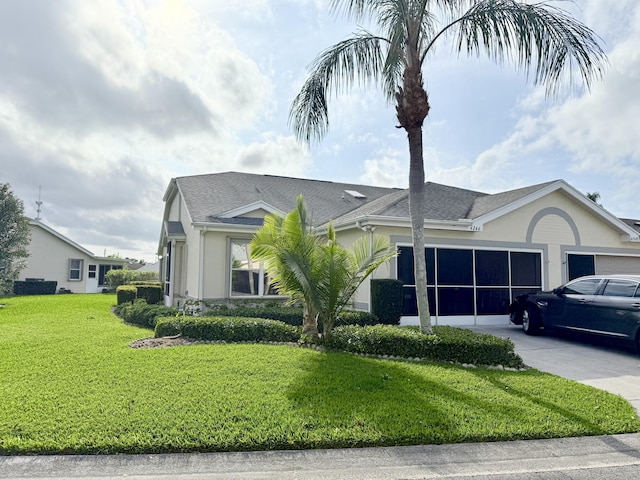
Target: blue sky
x,y
103,102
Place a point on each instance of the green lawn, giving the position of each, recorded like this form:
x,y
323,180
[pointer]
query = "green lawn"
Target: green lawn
x,y
69,383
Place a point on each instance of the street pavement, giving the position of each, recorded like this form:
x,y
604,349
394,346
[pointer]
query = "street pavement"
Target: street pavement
x,y
615,457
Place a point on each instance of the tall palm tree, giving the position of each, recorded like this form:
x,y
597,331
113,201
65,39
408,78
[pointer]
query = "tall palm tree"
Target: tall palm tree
x,y
537,37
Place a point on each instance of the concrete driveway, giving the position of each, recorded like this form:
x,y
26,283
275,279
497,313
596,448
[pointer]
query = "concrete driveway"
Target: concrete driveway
x,y
608,367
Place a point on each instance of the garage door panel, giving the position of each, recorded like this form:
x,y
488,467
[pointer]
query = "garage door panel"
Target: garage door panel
x,y
606,265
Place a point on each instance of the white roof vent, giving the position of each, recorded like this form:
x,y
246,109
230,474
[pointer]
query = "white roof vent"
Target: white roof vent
x,y
355,194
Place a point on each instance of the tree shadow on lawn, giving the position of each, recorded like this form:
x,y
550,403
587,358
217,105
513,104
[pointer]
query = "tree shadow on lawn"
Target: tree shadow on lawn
x,y
584,419
353,401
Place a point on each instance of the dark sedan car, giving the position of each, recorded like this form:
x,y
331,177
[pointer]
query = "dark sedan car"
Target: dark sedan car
x,y
604,305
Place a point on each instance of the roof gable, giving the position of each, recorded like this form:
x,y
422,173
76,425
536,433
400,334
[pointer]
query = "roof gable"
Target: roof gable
x,y
58,235
259,207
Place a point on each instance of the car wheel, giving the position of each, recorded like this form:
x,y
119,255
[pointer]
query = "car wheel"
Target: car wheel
x,y
531,321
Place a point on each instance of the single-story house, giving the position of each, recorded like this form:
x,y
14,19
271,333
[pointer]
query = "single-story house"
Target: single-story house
x,y
54,257
482,249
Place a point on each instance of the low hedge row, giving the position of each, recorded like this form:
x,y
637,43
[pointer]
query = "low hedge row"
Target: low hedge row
x,y
228,329
34,287
291,315
448,344
142,314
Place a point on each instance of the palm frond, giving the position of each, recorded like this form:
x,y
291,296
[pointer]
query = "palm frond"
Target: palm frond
x,y
537,37
357,59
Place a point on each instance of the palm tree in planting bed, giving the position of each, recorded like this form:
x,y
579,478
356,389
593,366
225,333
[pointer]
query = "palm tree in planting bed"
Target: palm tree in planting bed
x,y
538,38
313,270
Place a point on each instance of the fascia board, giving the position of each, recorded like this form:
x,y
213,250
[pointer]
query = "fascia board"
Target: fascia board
x,y
382,221
209,227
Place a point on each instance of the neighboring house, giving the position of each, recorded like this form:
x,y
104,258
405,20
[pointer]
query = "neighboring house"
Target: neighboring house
x,y
482,249
52,256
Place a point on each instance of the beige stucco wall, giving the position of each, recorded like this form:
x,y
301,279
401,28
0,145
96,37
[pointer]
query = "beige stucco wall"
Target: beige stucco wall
x,y
49,259
215,264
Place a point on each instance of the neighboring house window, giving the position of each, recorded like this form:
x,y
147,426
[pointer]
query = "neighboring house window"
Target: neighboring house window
x,y
248,277
102,271
92,271
75,269
470,281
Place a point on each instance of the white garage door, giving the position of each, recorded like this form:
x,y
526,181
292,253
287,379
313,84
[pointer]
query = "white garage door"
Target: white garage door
x,y
606,265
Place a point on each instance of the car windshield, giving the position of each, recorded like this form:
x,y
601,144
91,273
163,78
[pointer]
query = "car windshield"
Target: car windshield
x,y
587,286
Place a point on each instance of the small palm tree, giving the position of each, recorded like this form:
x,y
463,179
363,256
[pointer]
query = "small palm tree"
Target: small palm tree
x,y
536,36
319,273
342,271
288,249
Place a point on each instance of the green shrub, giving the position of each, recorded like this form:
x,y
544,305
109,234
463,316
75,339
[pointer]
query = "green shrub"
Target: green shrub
x,y
356,317
289,315
152,292
123,276
228,329
126,294
142,314
386,300
34,287
461,345
447,344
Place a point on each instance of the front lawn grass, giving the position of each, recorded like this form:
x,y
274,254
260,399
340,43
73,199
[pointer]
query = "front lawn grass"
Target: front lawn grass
x,y
69,383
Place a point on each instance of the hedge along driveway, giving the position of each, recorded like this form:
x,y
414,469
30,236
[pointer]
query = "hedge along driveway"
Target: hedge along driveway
x,y
69,383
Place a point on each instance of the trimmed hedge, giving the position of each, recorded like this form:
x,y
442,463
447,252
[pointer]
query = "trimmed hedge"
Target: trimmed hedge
x,y
292,315
447,344
126,294
289,315
228,329
152,292
123,276
386,300
142,314
356,317
34,287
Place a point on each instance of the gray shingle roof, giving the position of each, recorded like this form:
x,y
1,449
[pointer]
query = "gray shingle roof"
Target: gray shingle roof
x,y
489,203
210,196
174,229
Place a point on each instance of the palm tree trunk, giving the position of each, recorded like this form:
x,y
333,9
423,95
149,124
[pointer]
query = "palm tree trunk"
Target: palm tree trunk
x,y
416,213
309,323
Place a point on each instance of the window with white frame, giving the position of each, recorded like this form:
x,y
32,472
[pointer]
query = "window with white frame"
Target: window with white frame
x,y
75,269
248,277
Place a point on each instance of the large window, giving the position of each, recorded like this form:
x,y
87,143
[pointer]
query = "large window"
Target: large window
x,y
470,281
248,277
102,271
